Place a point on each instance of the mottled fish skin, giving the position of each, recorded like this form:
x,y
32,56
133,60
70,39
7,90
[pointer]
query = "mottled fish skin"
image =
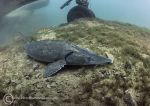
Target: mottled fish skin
x,y
60,53
48,50
78,58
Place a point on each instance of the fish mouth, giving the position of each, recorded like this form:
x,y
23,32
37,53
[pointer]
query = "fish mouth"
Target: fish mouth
x,y
99,60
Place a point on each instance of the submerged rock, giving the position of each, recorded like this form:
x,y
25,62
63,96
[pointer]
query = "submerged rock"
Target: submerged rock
x,y
82,86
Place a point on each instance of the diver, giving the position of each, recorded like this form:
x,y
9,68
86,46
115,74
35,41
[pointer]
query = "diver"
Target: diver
x,y
79,11
84,3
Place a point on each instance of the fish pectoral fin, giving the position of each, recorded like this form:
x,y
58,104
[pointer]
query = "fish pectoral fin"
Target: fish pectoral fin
x,y
53,68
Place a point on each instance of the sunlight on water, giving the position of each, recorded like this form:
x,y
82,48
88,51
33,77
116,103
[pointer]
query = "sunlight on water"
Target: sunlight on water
x,y
135,12
131,11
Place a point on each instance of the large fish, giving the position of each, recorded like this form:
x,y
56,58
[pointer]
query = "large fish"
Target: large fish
x,y
59,53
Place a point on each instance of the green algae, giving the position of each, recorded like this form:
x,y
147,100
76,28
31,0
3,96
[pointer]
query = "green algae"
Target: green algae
x,y
101,85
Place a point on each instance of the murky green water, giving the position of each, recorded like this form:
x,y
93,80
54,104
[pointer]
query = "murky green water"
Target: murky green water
x,y
135,12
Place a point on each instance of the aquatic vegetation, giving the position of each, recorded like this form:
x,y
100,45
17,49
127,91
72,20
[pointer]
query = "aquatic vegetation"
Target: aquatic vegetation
x,y
132,51
146,63
126,81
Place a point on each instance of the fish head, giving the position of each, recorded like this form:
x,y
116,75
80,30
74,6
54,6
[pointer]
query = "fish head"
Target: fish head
x,y
78,58
98,60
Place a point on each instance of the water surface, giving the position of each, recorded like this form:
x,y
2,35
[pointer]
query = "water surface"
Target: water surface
x,y
130,11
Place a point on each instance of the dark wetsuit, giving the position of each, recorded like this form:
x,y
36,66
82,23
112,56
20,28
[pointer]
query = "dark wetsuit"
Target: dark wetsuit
x,y
82,2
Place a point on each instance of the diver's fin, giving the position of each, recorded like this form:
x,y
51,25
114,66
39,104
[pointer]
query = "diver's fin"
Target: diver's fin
x,y
53,68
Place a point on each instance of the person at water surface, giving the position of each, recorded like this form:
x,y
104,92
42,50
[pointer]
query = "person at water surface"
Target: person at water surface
x,y
79,11
82,2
